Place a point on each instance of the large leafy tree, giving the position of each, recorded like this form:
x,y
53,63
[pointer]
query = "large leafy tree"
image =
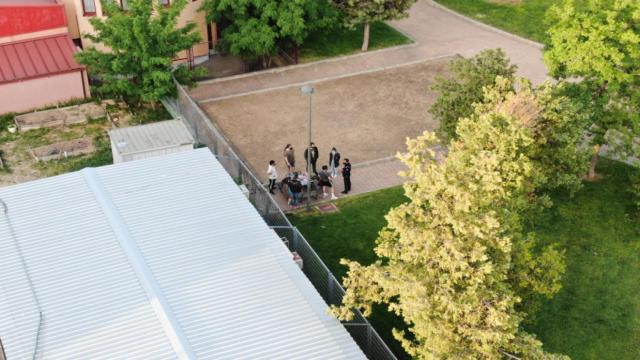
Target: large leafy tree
x,y
358,12
464,87
142,43
258,27
455,262
598,45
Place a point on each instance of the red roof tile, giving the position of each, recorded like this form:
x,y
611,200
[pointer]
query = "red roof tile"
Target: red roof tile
x,y
34,58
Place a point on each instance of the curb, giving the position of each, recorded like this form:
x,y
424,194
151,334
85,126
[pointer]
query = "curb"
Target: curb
x,y
486,26
329,78
297,66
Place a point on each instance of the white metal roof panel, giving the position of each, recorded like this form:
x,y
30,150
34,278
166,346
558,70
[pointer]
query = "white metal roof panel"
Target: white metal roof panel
x,y
148,137
228,280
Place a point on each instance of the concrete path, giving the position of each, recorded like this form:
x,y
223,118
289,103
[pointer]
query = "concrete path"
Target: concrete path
x,y
437,31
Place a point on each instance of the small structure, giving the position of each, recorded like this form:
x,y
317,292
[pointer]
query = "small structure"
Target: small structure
x,y
150,140
161,258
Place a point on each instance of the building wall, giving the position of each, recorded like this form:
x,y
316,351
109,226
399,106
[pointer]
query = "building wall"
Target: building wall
x,y
26,95
189,14
19,18
72,17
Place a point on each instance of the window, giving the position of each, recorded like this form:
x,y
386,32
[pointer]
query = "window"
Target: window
x,y
89,7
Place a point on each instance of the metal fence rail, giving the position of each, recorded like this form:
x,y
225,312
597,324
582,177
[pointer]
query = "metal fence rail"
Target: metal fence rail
x,y
315,270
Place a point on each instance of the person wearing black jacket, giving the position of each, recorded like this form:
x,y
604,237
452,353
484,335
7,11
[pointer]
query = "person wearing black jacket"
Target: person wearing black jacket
x,y
346,176
314,157
334,162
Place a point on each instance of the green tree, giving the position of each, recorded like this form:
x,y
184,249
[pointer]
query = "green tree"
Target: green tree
x,y
464,87
599,45
258,27
142,43
357,12
455,262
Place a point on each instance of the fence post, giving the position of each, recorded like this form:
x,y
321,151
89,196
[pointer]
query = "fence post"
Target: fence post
x,y
330,291
369,336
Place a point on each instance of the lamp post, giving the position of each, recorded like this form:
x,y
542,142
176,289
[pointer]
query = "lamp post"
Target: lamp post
x,y
308,90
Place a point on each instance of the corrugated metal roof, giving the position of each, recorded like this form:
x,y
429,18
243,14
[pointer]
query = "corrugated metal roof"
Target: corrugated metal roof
x,y
158,135
35,58
227,280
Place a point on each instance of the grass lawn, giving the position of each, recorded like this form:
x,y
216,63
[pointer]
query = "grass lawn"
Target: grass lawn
x,y
523,17
597,313
341,41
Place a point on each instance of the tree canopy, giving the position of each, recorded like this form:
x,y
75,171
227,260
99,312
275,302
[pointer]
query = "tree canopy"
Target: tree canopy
x,y
357,12
256,28
598,45
455,262
464,87
142,43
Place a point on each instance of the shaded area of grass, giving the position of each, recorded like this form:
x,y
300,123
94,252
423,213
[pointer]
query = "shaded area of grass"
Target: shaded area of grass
x,y
351,233
526,18
342,41
596,315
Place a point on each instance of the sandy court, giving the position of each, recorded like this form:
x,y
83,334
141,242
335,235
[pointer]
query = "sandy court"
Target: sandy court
x,y
365,117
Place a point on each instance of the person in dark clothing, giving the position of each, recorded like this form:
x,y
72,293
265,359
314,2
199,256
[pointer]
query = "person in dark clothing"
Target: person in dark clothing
x,y
334,161
346,176
295,190
314,157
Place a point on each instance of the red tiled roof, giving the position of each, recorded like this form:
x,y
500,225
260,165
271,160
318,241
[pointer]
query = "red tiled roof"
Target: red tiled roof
x,y
35,58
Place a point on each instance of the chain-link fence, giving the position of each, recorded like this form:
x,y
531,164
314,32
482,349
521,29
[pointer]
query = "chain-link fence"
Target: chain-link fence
x,y
316,271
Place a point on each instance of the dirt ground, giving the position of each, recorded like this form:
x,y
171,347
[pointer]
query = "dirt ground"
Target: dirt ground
x,y
366,117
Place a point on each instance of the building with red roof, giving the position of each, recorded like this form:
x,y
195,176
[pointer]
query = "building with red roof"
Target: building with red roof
x,y
37,64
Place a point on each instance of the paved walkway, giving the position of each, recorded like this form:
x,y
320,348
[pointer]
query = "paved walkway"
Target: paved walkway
x,y
364,178
437,32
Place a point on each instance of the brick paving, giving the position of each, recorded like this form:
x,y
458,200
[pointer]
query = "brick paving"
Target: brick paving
x,y
437,32
365,178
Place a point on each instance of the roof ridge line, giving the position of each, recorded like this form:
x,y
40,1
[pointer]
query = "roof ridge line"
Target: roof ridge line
x,y
158,302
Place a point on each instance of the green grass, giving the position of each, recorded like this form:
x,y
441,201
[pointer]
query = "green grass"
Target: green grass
x,y
341,41
526,18
351,233
597,313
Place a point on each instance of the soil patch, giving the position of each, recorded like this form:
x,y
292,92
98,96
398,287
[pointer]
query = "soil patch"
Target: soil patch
x,y
365,117
55,118
63,149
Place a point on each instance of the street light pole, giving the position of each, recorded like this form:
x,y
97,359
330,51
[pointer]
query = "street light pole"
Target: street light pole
x,y
308,90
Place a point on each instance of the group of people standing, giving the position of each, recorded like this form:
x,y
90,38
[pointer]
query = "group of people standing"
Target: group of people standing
x,y
326,176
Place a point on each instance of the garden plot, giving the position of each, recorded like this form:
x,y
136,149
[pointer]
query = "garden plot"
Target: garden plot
x,y
63,149
60,117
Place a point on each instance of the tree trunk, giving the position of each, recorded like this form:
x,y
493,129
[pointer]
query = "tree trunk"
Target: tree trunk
x,y
594,162
365,40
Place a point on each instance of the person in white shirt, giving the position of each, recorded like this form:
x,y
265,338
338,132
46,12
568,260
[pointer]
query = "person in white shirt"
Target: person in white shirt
x,y
272,173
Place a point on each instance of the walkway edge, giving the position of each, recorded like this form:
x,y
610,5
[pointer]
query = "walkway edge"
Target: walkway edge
x,y
486,26
298,66
328,78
